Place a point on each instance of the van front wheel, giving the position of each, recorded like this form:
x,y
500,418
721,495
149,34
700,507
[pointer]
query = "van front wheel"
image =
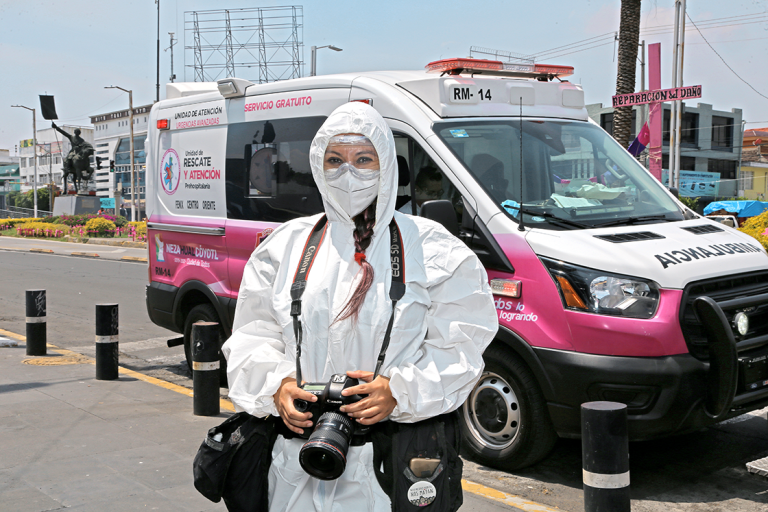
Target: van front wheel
x,y
505,423
205,313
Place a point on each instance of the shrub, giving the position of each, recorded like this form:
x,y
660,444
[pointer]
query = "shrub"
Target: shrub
x,y
120,221
755,227
42,229
140,229
100,227
12,223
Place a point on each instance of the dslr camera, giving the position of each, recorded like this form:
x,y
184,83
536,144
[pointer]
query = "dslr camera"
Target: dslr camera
x,y
324,455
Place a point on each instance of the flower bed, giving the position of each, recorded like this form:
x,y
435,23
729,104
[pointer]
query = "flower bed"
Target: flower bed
x,y
41,229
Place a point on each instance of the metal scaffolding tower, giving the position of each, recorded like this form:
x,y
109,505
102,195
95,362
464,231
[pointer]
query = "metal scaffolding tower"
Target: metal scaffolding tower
x,y
261,44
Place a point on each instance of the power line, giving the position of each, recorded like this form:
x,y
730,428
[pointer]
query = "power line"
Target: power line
x,y
722,59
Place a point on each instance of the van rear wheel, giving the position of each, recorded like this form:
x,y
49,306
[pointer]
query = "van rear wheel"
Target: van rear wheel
x,y
505,423
205,313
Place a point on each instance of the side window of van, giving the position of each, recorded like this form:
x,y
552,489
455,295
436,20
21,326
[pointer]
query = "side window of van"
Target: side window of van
x,y
420,179
268,173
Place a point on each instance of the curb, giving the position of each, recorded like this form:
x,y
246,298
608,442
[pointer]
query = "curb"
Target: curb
x,y
85,254
133,258
488,493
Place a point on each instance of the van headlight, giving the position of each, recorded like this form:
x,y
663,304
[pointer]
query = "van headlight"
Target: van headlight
x,y
604,293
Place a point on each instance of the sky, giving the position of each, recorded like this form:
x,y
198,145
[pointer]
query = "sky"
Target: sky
x,y
74,49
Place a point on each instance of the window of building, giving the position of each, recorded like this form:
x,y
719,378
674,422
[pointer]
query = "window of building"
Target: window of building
x,y
689,128
123,153
747,180
271,179
722,133
726,168
687,163
606,123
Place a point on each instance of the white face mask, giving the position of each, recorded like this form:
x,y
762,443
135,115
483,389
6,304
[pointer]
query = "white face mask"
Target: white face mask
x,y
353,189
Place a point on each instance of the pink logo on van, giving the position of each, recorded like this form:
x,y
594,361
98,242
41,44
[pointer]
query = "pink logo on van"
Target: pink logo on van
x,y
170,173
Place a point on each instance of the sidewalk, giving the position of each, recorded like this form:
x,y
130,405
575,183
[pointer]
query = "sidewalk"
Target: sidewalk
x,y
74,443
79,444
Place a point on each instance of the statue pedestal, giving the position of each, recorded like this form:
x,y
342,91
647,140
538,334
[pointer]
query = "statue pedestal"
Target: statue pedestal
x,y
76,205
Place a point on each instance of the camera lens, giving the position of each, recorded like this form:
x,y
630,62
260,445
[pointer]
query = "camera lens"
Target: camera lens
x,y
324,455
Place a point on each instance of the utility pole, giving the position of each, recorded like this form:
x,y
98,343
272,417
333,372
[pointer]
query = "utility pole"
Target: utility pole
x,y
130,117
34,151
677,106
173,42
157,86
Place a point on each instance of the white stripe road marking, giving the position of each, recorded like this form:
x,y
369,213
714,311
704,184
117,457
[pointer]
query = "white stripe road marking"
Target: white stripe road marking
x,y
602,481
215,365
35,319
107,339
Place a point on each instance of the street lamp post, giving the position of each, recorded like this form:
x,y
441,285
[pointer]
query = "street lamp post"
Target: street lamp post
x,y
34,152
130,116
313,66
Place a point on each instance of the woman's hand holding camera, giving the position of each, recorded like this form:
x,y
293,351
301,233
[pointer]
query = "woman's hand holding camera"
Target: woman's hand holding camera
x,y
286,394
377,405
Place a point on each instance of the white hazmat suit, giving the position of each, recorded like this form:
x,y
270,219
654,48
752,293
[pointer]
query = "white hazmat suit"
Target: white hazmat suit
x,y
442,325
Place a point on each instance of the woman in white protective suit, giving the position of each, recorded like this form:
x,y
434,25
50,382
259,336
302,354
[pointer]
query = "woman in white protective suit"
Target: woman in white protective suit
x,y
444,321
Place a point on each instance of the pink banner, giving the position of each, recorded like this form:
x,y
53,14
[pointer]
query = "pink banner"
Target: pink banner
x,y
654,111
640,98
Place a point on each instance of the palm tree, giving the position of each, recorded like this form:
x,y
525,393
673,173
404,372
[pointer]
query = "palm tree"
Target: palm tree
x,y
629,35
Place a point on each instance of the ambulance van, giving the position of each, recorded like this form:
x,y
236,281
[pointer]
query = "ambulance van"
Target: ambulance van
x,y
607,288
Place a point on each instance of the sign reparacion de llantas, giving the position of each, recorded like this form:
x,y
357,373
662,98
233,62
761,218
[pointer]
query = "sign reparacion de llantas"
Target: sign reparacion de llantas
x,y
674,94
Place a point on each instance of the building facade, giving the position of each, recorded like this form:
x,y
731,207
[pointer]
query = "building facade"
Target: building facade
x,y
710,140
52,148
754,164
112,144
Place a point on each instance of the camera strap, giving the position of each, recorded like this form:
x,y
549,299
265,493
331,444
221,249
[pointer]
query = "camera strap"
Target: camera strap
x,y
396,289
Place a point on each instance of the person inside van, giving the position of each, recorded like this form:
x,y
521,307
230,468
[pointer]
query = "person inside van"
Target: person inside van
x,y
427,187
261,172
432,360
490,171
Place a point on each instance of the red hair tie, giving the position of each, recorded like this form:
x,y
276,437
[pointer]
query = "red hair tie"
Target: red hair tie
x,y
359,257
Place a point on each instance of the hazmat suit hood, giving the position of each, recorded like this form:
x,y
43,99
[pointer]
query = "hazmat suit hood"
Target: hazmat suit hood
x,y
356,117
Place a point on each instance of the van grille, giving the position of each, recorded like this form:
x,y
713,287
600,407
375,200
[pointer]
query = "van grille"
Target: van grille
x,y
722,289
700,230
630,237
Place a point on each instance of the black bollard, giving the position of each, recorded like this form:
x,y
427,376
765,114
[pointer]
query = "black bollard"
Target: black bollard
x,y
205,368
605,457
37,337
106,341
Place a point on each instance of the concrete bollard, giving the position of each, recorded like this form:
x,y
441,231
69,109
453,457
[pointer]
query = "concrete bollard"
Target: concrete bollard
x,y
37,337
106,341
205,368
605,457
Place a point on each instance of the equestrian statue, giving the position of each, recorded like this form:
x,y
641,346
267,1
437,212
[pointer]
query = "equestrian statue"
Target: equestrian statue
x,y
77,162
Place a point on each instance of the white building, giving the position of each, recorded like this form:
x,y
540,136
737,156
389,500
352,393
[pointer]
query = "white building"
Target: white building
x,y
6,158
52,148
112,143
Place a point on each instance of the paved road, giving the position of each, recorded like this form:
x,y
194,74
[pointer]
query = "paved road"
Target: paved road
x,y
702,471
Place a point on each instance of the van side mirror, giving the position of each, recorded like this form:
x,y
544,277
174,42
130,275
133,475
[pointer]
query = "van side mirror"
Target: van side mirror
x,y
675,192
441,211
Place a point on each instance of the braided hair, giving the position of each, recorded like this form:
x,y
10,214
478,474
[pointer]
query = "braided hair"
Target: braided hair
x,y
362,234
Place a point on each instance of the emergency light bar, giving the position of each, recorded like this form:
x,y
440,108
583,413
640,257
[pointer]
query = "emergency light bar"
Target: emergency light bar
x,y
496,67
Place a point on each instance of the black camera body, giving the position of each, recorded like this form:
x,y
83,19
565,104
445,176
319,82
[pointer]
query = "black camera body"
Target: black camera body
x,y
324,455
329,399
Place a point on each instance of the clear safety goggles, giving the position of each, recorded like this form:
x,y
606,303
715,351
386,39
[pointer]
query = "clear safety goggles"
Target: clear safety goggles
x,y
351,141
363,174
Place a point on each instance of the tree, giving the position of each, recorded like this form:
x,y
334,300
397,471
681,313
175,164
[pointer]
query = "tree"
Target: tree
x,y
27,200
629,35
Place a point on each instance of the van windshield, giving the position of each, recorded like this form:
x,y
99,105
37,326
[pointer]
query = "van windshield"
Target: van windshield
x,y
576,175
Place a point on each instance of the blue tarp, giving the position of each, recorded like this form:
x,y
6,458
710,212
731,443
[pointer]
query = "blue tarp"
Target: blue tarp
x,y
738,208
